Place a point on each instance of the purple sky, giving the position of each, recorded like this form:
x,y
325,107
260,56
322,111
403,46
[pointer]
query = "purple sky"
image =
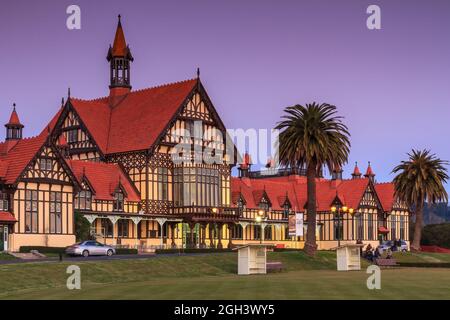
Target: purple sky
x,y
256,57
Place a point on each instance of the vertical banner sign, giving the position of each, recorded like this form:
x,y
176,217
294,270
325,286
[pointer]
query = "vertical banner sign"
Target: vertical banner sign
x,y
295,223
299,224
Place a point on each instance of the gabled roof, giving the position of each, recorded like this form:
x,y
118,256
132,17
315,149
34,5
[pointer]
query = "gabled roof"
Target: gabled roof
x,y
104,178
15,159
136,122
386,194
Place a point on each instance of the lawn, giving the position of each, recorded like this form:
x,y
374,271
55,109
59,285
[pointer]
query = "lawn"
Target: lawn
x,y
212,276
5,256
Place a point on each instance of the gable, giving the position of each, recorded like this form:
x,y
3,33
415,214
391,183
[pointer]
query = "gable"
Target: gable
x,y
370,198
47,166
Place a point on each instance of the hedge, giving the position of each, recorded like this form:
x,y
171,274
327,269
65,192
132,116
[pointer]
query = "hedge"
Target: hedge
x,y
436,235
205,250
126,251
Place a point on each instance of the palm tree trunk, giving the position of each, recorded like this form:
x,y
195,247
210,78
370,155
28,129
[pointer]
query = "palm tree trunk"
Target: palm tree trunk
x,y
415,246
310,244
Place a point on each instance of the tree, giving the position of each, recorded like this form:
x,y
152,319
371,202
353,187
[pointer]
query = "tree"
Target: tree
x,y
420,178
311,137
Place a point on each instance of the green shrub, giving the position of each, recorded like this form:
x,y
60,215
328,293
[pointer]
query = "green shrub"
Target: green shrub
x,y
425,264
436,235
44,250
206,250
126,251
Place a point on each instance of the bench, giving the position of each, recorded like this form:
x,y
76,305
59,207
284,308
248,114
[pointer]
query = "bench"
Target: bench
x,y
274,266
386,262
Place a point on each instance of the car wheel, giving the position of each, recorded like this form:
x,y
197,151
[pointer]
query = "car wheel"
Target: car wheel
x,y
109,253
85,253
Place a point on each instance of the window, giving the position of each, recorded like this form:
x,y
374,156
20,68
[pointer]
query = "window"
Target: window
x,y
72,136
268,233
4,203
237,232
240,204
83,200
55,212
118,201
338,228
402,227
163,184
359,227
370,226
107,228
31,211
286,208
196,186
393,227
45,164
122,228
264,204
256,232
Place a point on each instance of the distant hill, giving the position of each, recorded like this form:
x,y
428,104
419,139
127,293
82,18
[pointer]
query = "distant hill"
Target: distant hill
x,y
436,213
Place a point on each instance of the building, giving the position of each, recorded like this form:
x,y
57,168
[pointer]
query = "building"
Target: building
x,y
112,161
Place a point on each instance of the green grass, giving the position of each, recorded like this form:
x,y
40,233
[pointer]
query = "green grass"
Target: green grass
x,y
213,276
5,256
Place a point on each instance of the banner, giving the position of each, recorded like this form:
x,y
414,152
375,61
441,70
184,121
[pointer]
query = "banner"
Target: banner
x,y
295,224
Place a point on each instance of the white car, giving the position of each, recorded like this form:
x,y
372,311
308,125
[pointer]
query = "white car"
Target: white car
x,y
390,243
90,248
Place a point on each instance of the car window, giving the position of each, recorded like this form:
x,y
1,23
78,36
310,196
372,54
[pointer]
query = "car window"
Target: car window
x,y
90,243
98,244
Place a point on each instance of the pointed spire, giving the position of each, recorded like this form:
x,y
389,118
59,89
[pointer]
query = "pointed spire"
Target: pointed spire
x,y
356,173
62,102
198,73
68,93
14,118
119,47
369,171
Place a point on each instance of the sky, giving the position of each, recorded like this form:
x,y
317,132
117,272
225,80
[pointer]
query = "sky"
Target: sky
x,y
256,58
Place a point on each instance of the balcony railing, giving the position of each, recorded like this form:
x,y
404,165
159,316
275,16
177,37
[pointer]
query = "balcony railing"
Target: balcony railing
x,y
207,213
278,172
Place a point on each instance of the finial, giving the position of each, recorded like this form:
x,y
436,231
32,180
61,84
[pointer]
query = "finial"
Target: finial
x,y
119,16
68,93
62,102
14,106
198,73
356,163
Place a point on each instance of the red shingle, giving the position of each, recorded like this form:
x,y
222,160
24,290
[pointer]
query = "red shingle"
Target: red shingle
x,y
136,122
104,178
386,194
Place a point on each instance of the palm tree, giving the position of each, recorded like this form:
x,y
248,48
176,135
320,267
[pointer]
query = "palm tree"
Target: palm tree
x,y
311,137
421,178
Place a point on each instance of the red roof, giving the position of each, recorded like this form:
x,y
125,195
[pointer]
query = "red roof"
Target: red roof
x,y
386,194
104,178
349,192
7,217
356,171
136,122
369,171
18,156
14,119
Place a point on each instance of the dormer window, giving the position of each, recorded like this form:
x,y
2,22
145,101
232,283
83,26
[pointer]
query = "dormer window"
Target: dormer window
x,y
264,204
83,201
118,201
286,208
4,203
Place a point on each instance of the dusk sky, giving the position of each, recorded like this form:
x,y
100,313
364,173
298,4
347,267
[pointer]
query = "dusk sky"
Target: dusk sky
x,y
256,58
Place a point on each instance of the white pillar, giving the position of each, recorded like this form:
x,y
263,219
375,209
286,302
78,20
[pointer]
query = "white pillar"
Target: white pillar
x,y
161,222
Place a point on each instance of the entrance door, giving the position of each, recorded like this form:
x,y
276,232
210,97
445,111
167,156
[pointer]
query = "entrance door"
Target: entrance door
x,y
2,239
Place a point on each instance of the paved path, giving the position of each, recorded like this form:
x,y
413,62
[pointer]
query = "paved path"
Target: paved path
x,y
103,258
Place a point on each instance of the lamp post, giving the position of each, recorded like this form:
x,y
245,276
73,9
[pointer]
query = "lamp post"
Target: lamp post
x,y
340,210
259,219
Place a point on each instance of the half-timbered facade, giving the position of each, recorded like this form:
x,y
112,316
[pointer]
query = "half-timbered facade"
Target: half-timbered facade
x,y
149,168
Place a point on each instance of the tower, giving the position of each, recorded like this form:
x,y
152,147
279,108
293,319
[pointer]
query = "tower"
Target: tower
x,y
369,173
119,57
356,173
14,127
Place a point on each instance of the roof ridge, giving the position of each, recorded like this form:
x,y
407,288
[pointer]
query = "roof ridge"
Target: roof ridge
x,y
138,90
